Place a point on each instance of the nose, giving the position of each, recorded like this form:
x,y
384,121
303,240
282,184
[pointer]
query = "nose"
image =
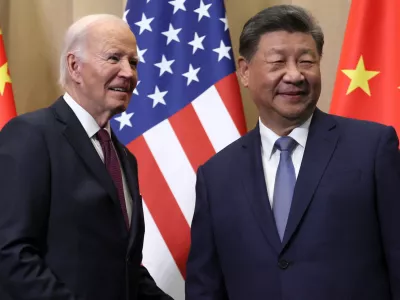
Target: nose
x,y
293,75
127,71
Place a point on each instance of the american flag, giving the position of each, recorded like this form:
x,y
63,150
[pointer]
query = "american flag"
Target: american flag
x,y
186,107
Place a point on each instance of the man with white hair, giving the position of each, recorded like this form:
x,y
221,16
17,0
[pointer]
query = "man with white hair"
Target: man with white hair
x,y
71,217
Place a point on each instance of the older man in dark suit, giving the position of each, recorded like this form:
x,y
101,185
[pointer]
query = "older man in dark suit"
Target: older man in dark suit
x,y
71,219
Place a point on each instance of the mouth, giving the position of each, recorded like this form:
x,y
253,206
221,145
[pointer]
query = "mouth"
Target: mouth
x,y
292,97
293,94
121,90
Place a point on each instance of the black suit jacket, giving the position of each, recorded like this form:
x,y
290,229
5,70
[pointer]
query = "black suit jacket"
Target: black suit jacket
x,y
62,232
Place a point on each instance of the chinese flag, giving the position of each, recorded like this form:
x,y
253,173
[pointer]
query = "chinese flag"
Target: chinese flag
x,y
368,77
7,105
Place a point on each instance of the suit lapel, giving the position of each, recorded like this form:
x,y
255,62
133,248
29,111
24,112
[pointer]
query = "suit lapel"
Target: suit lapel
x,y
77,137
131,178
253,180
321,143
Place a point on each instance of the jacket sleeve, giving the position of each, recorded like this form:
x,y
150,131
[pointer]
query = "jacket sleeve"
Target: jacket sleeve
x,y
387,178
24,209
148,290
204,276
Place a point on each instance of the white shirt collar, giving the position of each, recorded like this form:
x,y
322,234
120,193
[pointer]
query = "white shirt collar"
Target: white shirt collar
x,y
88,122
268,137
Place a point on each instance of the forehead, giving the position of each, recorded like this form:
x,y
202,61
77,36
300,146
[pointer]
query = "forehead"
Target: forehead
x,y
284,41
112,36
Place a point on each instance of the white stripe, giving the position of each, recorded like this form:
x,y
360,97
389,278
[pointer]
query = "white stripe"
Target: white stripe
x,y
215,118
159,261
174,165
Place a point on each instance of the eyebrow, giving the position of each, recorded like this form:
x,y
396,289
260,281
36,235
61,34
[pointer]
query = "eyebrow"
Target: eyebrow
x,y
121,53
308,51
282,51
275,51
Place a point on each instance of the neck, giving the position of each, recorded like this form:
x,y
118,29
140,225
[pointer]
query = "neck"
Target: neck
x,y
281,127
279,130
100,116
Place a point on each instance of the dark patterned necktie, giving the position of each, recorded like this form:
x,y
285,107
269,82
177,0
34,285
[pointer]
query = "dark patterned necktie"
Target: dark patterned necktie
x,y
113,168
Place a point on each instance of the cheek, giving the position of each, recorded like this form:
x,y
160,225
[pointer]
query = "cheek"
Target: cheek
x,y
265,81
135,76
314,78
317,81
107,72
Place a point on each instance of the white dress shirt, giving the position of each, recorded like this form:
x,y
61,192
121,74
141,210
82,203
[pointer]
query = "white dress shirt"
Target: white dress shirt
x,y
270,155
91,127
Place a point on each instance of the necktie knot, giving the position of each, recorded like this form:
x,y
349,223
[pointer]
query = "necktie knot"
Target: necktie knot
x,y
285,143
103,136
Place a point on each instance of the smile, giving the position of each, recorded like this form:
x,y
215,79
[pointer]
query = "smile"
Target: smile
x,y
117,89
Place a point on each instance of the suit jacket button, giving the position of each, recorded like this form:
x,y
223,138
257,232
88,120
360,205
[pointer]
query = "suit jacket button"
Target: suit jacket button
x,y
283,264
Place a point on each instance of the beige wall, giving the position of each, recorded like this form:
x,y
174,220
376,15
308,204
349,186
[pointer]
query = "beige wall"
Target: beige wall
x,y
33,31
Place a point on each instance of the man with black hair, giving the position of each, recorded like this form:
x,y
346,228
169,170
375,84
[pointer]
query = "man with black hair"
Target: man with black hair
x,y
306,205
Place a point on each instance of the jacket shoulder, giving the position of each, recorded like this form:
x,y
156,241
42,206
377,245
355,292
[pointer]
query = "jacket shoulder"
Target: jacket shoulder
x,y
367,131
38,118
232,151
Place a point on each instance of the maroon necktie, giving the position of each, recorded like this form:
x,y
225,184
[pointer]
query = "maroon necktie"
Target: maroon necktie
x,y
113,167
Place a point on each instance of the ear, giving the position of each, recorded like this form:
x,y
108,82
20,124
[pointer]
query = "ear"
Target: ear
x,y
243,71
74,67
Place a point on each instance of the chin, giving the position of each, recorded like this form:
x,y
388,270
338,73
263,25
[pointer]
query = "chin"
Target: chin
x,y
297,113
121,105
118,109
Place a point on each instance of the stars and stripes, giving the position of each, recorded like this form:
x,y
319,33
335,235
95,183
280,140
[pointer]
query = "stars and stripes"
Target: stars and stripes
x,y
186,108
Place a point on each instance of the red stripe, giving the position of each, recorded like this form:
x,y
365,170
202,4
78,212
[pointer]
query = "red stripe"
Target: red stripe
x,y
192,137
162,205
228,89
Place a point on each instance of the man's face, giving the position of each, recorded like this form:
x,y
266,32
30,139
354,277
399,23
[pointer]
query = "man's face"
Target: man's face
x,y
107,73
283,76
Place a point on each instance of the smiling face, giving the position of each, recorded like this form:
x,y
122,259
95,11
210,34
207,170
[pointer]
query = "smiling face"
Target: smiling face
x,y
107,75
283,78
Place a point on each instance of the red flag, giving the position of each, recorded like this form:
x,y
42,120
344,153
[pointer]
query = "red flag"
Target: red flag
x,y
368,78
7,105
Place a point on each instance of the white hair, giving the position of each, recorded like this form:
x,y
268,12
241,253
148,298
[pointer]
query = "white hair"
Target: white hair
x,y
74,40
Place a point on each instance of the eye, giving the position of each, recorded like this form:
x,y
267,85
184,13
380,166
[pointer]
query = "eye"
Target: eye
x,y
276,64
307,63
133,63
113,58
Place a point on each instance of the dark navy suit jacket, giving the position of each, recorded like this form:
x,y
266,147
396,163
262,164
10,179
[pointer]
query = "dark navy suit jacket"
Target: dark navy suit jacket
x,y
342,239
62,232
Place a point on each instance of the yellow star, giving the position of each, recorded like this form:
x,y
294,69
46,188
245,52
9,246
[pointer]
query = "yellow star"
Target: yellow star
x,y
1,32
4,78
359,77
